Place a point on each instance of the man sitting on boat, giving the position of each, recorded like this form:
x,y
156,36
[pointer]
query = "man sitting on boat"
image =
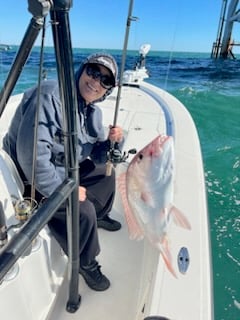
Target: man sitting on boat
x,y
95,80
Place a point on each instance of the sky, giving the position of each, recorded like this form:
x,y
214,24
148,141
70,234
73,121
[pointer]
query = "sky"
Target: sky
x,y
168,25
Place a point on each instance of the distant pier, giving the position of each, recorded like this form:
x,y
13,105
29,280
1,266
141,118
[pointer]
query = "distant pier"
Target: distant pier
x,y
224,44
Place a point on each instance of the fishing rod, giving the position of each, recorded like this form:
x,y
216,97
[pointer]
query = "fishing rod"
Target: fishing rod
x,y
130,18
114,154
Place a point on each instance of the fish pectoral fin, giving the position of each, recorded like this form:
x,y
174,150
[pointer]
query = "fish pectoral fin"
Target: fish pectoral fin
x,y
134,229
179,218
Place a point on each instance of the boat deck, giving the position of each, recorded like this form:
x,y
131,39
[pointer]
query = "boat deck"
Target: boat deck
x,y
140,284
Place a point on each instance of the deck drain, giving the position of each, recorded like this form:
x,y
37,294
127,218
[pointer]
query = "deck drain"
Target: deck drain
x,y
183,260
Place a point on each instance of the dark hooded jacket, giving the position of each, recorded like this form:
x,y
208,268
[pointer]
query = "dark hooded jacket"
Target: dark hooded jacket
x,y
18,142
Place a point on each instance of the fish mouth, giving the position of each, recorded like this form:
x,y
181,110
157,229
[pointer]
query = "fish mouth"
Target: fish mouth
x,y
159,145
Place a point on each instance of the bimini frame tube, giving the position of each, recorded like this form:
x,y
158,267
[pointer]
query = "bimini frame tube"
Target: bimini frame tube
x,y
63,49
23,239
39,11
67,88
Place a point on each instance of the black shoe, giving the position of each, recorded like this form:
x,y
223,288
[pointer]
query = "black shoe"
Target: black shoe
x,y
108,224
94,277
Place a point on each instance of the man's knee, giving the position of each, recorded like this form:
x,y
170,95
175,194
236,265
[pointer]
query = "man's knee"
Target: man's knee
x,y
87,212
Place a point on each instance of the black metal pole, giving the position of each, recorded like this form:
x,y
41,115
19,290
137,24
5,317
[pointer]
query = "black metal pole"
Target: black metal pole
x,y
23,239
39,11
3,228
63,50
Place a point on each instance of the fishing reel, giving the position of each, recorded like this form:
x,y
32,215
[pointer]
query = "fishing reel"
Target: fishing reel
x,y
115,156
24,208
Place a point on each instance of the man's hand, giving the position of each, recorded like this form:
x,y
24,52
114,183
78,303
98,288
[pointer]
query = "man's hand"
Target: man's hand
x,y
115,134
82,193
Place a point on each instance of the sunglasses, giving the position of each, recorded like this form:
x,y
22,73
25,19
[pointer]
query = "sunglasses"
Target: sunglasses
x,y
93,71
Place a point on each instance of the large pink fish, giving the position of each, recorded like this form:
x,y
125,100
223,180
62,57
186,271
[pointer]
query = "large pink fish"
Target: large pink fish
x,y
147,190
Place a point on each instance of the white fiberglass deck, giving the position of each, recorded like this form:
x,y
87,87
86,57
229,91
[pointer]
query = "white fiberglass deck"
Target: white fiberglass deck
x,y
140,283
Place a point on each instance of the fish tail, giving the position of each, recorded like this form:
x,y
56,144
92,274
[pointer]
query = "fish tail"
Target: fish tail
x,y
179,218
166,255
135,231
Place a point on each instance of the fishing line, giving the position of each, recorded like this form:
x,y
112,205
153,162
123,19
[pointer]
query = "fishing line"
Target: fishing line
x,y
171,48
135,37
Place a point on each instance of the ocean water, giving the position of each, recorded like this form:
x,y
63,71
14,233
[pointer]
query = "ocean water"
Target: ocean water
x,y
210,89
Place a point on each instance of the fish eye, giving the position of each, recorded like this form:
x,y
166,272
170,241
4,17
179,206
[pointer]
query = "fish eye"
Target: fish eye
x,y
140,156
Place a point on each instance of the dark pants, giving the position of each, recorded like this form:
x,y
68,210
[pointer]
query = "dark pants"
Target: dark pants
x,y
100,197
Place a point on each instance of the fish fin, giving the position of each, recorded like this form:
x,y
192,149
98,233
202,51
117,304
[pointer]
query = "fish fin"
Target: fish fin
x,y
179,218
147,198
166,255
134,229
